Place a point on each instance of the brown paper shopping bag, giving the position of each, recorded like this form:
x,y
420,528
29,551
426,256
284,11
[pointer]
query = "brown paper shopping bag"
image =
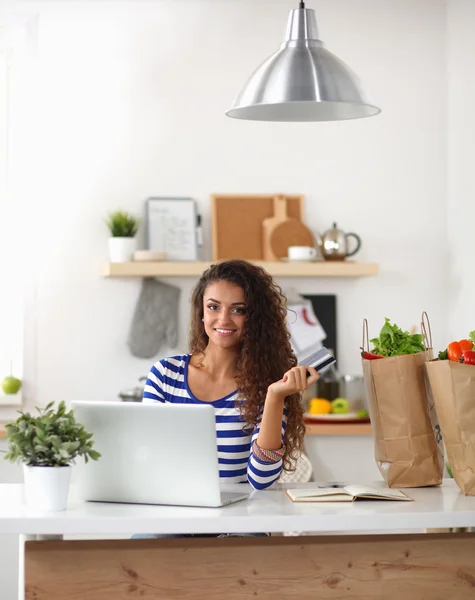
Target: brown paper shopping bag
x,y
453,389
406,450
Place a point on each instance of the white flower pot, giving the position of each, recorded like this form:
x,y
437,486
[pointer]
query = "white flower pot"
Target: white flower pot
x,y
121,249
46,488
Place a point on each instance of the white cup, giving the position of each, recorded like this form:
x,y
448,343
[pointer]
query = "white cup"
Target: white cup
x,y
301,253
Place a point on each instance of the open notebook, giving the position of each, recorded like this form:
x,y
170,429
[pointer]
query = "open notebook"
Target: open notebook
x,y
344,494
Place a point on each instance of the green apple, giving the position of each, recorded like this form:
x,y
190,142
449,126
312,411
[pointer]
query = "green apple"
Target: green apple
x,y
340,406
11,385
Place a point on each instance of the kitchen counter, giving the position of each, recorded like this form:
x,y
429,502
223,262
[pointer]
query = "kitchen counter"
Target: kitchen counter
x,y
359,565
312,429
264,511
338,429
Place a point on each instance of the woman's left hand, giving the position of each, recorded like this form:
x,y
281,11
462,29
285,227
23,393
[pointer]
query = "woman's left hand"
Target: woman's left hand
x,y
294,381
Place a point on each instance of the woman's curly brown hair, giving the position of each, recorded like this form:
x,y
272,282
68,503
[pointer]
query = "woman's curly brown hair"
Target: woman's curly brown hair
x,y
266,353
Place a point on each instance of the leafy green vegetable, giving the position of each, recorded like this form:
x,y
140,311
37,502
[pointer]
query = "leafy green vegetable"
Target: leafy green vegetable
x,y
392,341
443,355
471,336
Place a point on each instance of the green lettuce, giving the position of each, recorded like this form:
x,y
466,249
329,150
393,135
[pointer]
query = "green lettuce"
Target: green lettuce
x,y
392,341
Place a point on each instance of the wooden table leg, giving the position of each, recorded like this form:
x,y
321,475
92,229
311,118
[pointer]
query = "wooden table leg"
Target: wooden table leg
x,y
21,558
393,567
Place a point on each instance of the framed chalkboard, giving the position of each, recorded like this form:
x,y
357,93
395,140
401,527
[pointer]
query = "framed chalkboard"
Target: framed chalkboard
x,y
171,227
324,306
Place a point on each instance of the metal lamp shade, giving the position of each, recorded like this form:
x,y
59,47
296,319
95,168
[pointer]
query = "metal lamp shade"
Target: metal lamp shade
x,y
302,81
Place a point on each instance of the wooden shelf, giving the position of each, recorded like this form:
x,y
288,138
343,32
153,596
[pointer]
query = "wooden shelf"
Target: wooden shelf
x,y
11,399
338,429
277,269
312,429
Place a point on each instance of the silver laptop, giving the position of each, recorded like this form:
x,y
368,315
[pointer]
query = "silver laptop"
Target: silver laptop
x,y
151,454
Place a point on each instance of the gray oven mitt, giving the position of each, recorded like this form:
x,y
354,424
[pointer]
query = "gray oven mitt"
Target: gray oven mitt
x,y
155,321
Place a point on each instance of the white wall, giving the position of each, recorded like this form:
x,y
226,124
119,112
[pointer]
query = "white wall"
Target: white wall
x,y
461,145
130,102
9,546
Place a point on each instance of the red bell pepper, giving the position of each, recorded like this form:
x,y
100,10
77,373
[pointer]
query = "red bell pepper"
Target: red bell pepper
x,y
468,357
466,345
455,350
370,355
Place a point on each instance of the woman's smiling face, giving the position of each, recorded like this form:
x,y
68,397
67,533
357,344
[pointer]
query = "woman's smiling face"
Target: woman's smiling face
x,y
224,313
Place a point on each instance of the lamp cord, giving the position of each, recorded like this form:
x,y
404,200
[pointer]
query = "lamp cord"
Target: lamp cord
x,y
301,4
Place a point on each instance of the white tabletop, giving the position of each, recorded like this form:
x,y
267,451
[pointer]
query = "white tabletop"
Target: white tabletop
x,y
265,511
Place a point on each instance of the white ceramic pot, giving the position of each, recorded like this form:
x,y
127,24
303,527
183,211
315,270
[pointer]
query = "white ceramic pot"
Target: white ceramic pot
x,y
46,488
121,249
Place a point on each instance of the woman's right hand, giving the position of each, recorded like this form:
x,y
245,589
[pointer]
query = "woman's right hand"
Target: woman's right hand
x,y
294,381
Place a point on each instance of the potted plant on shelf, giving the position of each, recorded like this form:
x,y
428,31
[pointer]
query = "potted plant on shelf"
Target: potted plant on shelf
x,y
47,445
122,243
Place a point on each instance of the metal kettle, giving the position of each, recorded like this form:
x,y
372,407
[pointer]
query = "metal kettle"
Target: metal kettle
x,y
333,244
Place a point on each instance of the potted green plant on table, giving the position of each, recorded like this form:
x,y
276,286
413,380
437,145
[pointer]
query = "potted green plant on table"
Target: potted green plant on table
x,y
123,228
47,445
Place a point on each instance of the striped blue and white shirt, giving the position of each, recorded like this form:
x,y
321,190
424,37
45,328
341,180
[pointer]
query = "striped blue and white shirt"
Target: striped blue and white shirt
x,y
168,382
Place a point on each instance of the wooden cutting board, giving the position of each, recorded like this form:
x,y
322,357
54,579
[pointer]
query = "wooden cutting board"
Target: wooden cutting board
x,y
236,223
281,231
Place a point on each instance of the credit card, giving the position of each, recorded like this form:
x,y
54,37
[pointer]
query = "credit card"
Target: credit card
x,y
319,360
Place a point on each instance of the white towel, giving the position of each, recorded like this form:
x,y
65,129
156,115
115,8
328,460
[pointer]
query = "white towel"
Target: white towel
x,y
155,320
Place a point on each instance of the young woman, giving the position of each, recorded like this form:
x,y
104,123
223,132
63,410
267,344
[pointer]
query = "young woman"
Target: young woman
x,y
241,362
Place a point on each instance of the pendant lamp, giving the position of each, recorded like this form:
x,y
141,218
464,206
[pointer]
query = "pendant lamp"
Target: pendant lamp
x,y
302,81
